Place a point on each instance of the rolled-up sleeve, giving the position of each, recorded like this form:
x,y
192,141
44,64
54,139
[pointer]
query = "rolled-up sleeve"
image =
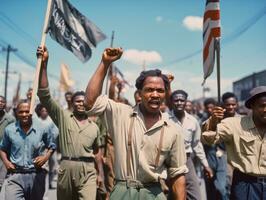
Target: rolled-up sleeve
x,y
48,139
176,163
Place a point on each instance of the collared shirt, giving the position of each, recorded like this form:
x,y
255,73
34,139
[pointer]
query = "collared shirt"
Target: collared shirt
x,y
22,148
75,139
6,119
145,143
244,145
192,133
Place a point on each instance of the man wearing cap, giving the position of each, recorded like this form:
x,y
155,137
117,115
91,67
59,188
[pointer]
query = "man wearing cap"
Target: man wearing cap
x,y
145,142
245,141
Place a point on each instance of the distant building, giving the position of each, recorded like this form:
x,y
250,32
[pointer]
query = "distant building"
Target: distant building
x,y
242,87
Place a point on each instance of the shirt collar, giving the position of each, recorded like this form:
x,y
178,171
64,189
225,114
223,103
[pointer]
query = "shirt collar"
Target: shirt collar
x,y
163,121
33,127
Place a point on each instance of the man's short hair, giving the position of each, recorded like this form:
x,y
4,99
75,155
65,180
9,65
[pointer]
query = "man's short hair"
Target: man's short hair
x,y
179,92
38,109
68,93
155,72
78,93
228,95
209,101
21,101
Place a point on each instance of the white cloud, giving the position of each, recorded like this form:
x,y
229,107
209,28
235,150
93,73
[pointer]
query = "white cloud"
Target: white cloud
x,y
159,19
139,57
193,23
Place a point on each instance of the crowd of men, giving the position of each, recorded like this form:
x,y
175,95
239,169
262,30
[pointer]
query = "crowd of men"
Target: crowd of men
x,y
161,148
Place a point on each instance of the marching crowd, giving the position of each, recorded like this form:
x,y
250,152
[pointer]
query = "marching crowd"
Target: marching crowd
x,y
163,147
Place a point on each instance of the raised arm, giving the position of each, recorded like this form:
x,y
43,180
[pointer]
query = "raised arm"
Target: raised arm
x,y
43,79
94,87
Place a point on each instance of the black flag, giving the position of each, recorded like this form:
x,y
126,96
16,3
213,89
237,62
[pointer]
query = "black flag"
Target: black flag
x,y
73,30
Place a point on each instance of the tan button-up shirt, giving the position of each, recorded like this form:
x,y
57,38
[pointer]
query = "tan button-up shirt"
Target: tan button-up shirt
x,y
75,140
145,143
246,149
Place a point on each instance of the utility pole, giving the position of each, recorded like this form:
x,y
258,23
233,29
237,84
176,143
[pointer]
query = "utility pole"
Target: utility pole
x,y
8,50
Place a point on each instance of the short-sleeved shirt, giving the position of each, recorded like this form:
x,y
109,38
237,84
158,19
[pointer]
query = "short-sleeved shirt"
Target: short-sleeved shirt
x,y
75,140
145,143
6,119
192,133
22,148
244,145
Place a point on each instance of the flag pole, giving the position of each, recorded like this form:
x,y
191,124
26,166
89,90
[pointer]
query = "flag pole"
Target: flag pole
x,y
39,60
217,49
110,70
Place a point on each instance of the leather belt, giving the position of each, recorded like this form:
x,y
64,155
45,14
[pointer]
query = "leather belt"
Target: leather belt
x,y
25,170
249,178
80,159
136,184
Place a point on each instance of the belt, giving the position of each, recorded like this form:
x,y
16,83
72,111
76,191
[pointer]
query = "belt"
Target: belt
x,y
80,159
136,184
25,170
249,178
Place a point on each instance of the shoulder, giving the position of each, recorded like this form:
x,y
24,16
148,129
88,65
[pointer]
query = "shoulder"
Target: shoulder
x,y
10,128
10,118
191,118
173,128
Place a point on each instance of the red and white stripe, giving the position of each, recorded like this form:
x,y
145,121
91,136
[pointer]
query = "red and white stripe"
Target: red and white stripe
x,y
211,30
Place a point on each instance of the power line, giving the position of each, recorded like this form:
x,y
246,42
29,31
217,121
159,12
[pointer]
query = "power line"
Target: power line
x,y
18,30
26,60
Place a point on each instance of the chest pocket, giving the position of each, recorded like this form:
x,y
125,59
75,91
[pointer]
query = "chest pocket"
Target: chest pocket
x,y
87,138
247,145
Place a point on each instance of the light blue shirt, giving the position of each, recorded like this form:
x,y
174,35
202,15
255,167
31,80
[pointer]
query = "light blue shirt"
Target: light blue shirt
x,y
22,147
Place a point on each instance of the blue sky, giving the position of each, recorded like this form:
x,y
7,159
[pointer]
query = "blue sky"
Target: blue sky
x,y
150,30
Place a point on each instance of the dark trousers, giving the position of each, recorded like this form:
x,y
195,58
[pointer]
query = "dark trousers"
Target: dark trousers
x,y
246,187
216,187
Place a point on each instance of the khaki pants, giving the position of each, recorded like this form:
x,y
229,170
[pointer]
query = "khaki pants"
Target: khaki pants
x,y
122,192
76,181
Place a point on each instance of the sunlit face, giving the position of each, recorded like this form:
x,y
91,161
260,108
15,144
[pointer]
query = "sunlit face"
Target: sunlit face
x,y
230,105
2,103
209,108
78,104
43,113
152,94
178,102
259,109
23,115
137,97
189,107
68,97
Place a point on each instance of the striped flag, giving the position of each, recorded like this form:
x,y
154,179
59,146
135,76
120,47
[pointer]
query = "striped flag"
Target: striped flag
x,y
211,31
